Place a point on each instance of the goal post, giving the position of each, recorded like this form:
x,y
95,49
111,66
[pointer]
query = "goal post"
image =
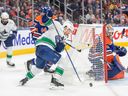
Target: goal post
x,y
88,39
105,57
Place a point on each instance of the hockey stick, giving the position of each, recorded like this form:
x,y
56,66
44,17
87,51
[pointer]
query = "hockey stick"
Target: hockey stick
x,y
67,54
72,64
79,50
123,32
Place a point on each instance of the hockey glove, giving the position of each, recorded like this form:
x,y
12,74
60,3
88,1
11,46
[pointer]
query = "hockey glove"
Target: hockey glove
x,y
59,43
122,51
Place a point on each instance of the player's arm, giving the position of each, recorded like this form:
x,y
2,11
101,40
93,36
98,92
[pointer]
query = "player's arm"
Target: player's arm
x,y
14,30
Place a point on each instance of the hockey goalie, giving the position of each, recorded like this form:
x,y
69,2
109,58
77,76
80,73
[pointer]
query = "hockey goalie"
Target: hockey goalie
x,y
115,68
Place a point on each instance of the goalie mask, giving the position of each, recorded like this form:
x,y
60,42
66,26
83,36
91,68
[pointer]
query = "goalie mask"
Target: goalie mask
x,y
109,31
68,27
4,18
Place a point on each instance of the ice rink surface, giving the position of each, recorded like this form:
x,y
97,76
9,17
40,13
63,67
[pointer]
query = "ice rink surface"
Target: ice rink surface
x,y
39,86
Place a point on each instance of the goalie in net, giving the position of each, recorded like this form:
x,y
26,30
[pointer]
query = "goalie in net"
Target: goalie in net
x,y
88,38
115,69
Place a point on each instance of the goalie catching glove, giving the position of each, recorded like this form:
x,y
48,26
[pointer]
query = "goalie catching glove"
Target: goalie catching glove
x,y
122,51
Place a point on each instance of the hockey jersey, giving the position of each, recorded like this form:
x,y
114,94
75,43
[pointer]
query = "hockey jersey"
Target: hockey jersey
x,y
6,30
41,25
48,37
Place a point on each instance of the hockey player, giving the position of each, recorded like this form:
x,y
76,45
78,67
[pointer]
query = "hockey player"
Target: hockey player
x,y
44,19
41,24
48,48
115,68
8,31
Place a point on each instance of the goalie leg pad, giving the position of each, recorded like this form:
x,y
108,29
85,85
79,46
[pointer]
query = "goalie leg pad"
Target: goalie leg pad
x,y
116,69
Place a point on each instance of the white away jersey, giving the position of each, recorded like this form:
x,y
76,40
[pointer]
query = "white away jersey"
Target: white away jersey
x,y
6,30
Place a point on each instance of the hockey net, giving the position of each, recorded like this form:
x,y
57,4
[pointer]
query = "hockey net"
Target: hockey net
x,y
89,63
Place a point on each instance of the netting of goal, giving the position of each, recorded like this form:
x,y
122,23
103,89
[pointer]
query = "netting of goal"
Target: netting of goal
x,y
90,61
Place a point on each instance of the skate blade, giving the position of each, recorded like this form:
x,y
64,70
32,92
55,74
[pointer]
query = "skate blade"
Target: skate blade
x,y
19,84
53,87
10,66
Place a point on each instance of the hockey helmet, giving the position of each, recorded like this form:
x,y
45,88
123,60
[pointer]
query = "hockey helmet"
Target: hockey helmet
x,y
4,18
4,15
69,25
48,11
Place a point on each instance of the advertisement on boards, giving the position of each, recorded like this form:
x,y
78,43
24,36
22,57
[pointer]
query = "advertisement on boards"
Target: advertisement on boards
x,y
22,41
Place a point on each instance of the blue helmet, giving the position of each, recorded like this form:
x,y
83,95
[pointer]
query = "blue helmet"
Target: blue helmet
x,y
48,11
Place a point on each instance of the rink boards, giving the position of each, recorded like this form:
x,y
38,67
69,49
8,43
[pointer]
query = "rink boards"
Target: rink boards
x,y
23,44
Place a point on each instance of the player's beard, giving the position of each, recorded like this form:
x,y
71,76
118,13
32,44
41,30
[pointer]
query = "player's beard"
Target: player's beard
x,y
4,22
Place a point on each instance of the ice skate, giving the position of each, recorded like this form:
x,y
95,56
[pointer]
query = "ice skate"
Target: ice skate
x,y
23,81
10,64
55,84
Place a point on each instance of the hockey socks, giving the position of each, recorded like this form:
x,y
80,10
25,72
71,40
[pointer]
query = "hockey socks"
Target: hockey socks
x,y
9,57
8,61
29,75
59,71
55,84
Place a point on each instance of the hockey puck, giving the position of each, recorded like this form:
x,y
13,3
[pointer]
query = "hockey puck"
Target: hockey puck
x,y
90,84
79,50
88,45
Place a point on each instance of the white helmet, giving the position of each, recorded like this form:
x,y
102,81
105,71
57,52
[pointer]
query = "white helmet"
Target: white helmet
x,y
69,25
4,15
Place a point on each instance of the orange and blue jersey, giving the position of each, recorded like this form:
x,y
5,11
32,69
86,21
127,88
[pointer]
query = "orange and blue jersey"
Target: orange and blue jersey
x,y
43,20
38,31
40,26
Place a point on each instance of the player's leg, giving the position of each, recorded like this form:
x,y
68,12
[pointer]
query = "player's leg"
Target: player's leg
x,y
49,67
29,64
9,46
55,80
43,55
34,70
49,55
56,76
53,57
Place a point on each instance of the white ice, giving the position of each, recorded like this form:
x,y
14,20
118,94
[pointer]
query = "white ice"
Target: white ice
x,y
39,86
